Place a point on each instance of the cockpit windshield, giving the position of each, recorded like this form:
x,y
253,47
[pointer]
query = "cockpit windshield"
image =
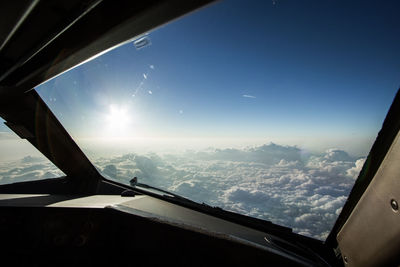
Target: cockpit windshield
x,y
20,161
264,108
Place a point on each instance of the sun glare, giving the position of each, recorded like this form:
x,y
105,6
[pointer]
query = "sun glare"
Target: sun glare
x,y
118,121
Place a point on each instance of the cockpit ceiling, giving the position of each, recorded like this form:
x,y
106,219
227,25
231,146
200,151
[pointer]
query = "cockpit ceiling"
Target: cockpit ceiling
x,y
27,25
40,39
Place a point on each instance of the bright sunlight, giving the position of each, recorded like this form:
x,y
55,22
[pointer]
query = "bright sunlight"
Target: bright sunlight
x,y
118,121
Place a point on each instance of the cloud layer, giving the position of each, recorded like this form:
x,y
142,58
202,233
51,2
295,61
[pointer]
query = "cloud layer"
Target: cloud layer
x,y
27,169
282,184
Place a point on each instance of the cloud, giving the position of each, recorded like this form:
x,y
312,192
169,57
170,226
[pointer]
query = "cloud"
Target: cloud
x,y
272,182
337,155
277,183
152,67
248,96
27,169
144,76
354,171
30,159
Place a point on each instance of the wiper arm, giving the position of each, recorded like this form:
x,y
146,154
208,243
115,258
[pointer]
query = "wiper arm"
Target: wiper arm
x,y
134,183
224,214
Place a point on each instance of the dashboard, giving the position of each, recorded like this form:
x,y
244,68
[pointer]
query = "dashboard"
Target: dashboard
x,y
142,230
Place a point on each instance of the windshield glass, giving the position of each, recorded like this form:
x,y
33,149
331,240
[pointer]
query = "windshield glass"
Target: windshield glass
x,y
266,108
20,161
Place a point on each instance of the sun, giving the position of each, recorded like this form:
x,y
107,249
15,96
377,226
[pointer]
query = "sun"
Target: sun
x,y
118,122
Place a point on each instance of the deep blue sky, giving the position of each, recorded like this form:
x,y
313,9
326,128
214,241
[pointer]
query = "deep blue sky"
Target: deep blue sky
x,y
315,72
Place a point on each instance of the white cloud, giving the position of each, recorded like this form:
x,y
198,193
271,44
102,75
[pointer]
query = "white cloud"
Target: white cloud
x,y
144,76
150,92
27,169
152,67
272,182
354,171
248,96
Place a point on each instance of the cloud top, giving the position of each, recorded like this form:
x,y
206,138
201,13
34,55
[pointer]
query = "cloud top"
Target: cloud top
x,y
277,183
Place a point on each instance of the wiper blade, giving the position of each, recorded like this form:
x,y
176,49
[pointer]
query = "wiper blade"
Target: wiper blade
x,y
134,183
224,214
177,198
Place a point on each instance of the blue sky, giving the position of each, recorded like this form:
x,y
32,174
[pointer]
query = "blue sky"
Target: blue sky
x,y
310,73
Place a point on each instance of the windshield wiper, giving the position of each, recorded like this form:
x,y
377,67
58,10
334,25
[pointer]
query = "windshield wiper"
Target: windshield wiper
x,y
260,224
134,183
